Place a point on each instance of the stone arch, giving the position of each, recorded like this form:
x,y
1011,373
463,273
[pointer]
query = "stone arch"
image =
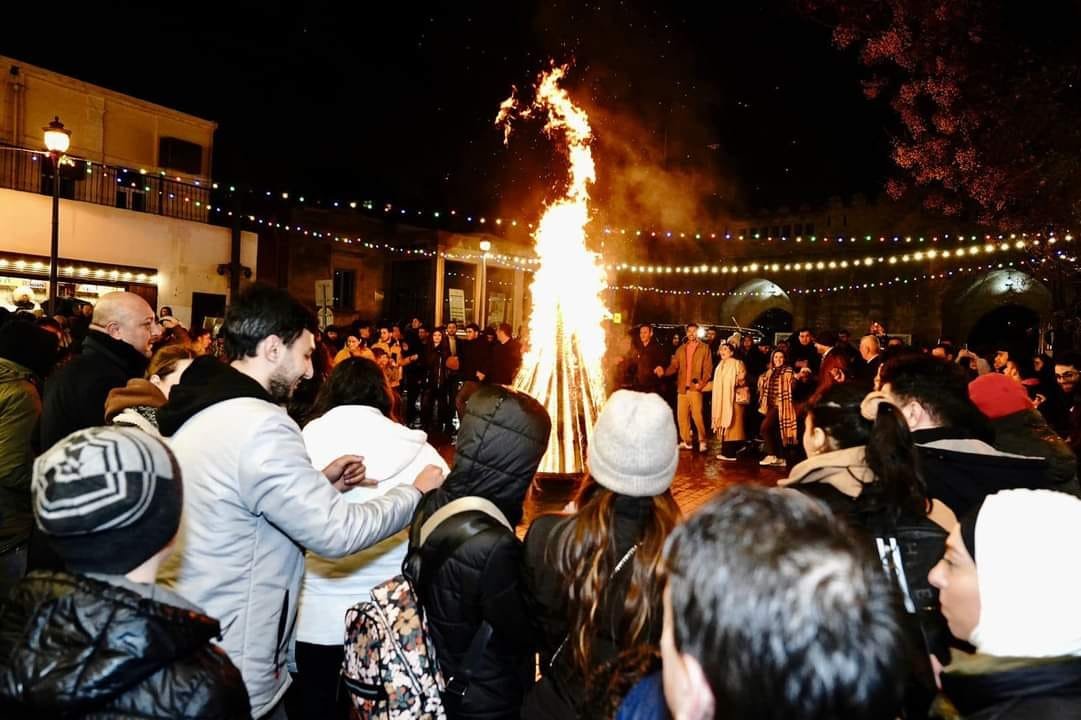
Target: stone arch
x,y
753,298
969,300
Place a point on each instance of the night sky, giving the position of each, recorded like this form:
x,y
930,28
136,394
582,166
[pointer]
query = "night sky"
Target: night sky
x,y
697,111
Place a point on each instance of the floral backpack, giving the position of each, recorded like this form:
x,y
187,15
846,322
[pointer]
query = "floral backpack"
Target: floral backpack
x,y
390,666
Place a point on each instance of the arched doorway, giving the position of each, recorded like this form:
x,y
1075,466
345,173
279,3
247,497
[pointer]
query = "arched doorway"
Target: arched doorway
x,y
1001,307
1013,327
756,302
773,321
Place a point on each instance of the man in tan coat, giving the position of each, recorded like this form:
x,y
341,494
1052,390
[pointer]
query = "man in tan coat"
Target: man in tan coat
x,y
693,361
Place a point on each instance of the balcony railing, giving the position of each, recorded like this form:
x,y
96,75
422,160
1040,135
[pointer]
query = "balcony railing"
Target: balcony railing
x,y
31,171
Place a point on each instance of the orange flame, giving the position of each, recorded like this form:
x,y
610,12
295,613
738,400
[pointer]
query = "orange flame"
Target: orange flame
x,y
563,366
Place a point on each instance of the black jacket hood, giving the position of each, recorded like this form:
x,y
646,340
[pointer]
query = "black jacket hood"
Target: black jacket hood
x,y
503,437
206,382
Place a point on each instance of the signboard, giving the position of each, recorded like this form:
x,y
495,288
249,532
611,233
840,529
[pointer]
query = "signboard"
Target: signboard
x,y
324,293
457,305
497,309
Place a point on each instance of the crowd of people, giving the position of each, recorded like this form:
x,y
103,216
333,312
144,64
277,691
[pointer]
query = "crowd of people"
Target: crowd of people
x,y
186,523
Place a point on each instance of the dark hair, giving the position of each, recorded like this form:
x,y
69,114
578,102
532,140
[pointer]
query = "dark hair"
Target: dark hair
x,y
946,348
259,312
785,610
940,386
1070,357
890,454
473,326
166,310
691,325
354,381
506,329
378,352
196,333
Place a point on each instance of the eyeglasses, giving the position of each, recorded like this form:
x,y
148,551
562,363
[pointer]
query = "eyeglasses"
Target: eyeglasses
x,y
1068,375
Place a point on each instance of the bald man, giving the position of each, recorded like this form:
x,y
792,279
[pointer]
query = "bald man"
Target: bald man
x,y
116,349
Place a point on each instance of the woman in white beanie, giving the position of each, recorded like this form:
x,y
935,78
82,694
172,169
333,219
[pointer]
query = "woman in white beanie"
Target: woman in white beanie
x,y
1009,584
594,576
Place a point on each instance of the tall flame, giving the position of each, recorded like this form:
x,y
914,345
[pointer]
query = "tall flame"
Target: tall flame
x,y
562,368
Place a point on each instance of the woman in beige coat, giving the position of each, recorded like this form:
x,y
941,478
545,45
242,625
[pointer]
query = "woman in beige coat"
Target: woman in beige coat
x,y
730,398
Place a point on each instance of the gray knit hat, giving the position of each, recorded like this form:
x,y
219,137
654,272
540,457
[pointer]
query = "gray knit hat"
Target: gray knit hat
x,y
633,450
107,498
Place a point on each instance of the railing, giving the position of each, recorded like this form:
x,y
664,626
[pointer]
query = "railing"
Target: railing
x,y
32,171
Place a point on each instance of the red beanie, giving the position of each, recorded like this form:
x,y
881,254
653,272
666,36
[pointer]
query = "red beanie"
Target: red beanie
x,y
998,396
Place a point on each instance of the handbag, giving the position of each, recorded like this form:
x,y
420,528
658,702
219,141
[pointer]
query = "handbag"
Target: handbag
x,y
743,395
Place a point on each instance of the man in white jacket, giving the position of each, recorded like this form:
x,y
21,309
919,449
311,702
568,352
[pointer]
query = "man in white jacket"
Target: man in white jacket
x,y
253,501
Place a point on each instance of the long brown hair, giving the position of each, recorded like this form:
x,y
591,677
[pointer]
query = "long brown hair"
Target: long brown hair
x,y
585,556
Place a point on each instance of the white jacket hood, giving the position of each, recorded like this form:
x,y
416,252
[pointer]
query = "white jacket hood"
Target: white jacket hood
x,y
386,446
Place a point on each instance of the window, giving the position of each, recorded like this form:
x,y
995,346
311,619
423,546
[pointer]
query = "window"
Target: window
x,y
786,231
180,155
809,228
128,198
345,289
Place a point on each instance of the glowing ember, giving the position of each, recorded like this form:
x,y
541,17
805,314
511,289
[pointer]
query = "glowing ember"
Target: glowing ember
x,y
562,367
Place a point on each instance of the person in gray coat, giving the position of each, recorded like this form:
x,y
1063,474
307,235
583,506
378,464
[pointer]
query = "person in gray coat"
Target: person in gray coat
x,y
253,502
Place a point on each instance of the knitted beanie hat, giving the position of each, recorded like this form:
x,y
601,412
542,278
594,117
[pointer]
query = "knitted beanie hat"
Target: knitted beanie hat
x,y
107,498
998,396
633,450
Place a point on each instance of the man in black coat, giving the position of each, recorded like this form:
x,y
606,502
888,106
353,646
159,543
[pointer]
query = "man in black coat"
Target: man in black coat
x,y
117,349
473,355
643,361
506,357
504,435
952,436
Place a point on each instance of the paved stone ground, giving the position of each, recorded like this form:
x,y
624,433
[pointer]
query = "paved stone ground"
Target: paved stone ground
x,y
698,478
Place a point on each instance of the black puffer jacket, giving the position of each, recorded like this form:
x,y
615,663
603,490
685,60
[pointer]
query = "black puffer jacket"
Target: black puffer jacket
x,y
72,646
562,691
500,444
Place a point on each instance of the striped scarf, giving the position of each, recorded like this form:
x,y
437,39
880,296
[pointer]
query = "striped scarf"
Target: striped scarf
x,y
782,399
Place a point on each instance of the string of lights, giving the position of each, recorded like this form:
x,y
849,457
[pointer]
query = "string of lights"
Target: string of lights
x,y
843,287
389,208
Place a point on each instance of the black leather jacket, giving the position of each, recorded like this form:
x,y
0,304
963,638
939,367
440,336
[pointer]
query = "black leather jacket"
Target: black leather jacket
x,y
74,646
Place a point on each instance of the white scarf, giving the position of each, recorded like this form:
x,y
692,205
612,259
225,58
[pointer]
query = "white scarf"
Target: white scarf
x,y
1029,579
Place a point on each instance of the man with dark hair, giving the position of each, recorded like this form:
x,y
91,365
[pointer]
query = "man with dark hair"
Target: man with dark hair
x,y
775,611
253,502
953,437
804,352
473,356
943,351
506,357
643,361
692,365
1068,376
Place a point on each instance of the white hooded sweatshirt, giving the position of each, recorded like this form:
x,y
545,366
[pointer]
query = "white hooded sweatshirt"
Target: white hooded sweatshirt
x,y
393,455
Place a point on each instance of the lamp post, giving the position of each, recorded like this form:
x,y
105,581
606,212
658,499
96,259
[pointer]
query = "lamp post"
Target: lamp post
x,y
485,246
57,141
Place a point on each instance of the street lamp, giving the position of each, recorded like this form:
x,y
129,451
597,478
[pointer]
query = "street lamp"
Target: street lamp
x,y
485,246
57,141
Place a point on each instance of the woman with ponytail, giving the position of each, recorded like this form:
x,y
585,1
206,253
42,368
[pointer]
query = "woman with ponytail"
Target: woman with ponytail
x,y
861,463
861,460
594,577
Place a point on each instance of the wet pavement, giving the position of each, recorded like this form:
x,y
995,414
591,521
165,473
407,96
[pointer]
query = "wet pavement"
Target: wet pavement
x,y
698,477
